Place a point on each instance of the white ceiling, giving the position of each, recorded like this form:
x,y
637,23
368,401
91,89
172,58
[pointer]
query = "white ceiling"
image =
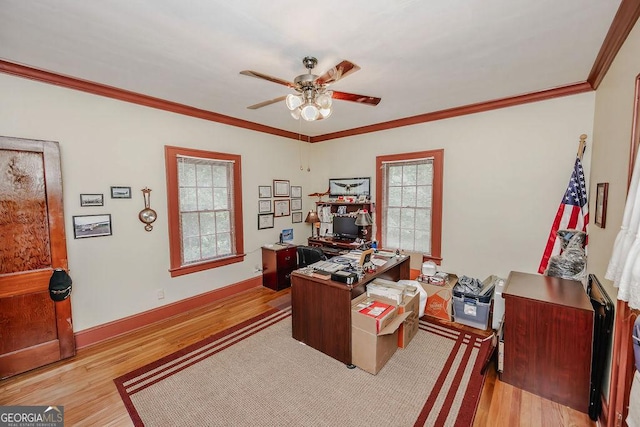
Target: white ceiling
x,y
419,56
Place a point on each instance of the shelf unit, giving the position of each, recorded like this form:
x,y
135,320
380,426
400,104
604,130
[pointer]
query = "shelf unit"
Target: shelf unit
x,y
351,209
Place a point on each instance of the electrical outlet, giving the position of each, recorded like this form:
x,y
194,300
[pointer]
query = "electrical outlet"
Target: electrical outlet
x,y
160,293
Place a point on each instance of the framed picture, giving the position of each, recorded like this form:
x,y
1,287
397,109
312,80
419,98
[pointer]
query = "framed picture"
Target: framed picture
x,y
602,192
296,217
91,226
264,191
264,206
265,221
280,188
296,204
92,200
281,208
296,191
349,187
120,192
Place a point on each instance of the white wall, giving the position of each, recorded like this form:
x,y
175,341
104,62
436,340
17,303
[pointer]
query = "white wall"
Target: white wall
x,y
505,172
611,148
504,176
104,142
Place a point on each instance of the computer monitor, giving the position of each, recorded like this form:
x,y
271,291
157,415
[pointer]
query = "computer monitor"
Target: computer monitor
x,y
344,227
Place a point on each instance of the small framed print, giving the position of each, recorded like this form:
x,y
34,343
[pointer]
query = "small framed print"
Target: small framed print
x,y
602,193
281,208
92,200
296,191
264,191
264,206
296,217
280,188
91,226
120,192
296,204
265,221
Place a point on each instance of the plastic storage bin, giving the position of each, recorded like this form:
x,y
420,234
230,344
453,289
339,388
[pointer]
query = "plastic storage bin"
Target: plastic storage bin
x,y
472,310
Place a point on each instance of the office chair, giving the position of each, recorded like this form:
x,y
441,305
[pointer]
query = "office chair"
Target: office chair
x,y
308,255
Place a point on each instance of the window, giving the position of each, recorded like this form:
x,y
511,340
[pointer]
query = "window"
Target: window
x,y
409,191
205,209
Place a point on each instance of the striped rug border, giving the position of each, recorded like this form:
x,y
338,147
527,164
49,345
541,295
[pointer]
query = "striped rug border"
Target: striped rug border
x,y
147,375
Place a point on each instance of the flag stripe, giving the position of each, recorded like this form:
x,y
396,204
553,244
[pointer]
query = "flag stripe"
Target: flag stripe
x,y
572,214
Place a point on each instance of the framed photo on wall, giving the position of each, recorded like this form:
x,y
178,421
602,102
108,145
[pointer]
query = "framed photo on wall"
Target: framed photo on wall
x,y
296,217
602,193
120,192
265,221
296,204
280,188
264,191
296,191
91,226
264,206
92,200
281,208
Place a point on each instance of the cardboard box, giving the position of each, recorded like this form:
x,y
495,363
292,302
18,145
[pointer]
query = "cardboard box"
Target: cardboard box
x,y
371,349
439,299
409,328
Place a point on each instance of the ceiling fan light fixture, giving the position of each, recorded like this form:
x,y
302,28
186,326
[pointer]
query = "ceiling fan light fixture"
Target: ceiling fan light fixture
x,y
310,112
295,113
324,100
325,113
293,101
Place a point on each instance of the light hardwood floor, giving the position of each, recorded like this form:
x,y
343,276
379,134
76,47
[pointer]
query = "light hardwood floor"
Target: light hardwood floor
x,y
84,384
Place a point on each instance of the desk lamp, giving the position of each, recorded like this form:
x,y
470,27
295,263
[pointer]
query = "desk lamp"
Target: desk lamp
x,y
312,218
363,219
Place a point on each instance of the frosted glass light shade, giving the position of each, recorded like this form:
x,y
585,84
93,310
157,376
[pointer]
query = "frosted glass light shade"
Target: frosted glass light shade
x,y
324,101
310,112
293,101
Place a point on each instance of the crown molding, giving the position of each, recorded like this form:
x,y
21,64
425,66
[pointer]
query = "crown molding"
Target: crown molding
x,y
622,24
542,95
135,98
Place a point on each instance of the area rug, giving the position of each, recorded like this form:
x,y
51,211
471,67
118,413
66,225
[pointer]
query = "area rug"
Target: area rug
x,y
256,374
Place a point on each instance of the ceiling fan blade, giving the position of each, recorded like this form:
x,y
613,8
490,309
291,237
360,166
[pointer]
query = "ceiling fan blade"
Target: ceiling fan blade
x,y
267,77
265,103
363,99
334,74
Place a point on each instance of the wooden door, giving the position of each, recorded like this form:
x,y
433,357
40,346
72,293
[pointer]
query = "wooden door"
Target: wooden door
x,y
34,330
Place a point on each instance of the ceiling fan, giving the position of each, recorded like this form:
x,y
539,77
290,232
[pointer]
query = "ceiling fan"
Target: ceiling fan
x,y
314,100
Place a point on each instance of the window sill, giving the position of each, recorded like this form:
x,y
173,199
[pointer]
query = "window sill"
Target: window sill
x,y
207,265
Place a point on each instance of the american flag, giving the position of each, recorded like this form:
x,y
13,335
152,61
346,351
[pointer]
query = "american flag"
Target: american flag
x,y
573,214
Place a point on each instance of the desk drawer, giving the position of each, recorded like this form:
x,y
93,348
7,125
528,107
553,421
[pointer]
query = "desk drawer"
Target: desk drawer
x,y
287,258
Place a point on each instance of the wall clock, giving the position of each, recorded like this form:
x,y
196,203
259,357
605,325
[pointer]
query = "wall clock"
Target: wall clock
x,y
147,215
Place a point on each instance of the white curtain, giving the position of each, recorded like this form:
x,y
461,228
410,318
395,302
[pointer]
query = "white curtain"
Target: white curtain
x,y
624,266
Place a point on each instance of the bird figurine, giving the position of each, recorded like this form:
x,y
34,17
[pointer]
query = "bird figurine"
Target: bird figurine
x,y
348,187
319,195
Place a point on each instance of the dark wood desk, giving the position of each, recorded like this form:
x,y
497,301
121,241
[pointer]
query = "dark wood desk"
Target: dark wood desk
x,y
548,333
321,309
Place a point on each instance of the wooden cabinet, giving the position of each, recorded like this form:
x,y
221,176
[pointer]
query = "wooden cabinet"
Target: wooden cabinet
x,y
548,334
278,261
